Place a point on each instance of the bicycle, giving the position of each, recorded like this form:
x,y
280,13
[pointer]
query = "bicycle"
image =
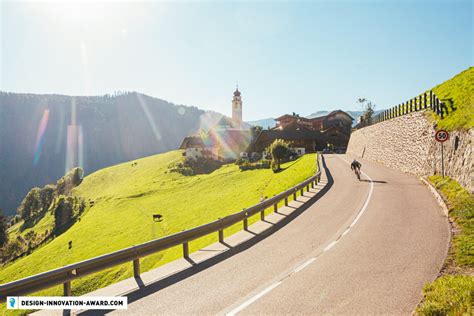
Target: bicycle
x,y
357,172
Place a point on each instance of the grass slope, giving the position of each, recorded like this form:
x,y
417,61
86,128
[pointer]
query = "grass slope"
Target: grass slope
x,y
125,198
460,89
454,294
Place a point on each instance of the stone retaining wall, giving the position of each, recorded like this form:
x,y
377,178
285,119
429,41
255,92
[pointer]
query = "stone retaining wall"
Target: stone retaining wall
x,y
407,143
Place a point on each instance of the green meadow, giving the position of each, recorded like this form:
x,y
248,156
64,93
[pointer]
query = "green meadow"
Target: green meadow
x,y
125,198
459,89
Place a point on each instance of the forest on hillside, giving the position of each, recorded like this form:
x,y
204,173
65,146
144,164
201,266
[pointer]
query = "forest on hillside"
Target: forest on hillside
x,y
43,135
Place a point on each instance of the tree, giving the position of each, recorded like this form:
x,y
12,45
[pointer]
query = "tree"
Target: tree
x,y
369,108
78,174
63,212
30,205
278,149
70,180
46,196
3,229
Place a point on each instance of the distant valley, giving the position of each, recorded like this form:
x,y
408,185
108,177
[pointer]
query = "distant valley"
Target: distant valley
x,y
43,135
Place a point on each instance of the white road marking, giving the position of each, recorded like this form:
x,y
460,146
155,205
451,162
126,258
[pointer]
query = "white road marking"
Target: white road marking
x,y
304,265
367,200
253,299
332,244
307,263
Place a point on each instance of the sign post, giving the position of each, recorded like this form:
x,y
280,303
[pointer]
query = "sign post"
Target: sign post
x,y
441,136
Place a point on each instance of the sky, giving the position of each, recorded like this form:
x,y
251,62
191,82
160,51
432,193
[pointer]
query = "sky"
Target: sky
x,y
286,57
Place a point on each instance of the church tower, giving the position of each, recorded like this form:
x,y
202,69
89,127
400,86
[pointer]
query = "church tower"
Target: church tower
x,y
237,108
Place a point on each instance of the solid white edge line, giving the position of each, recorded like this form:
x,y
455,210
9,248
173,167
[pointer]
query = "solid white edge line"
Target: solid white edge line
x,y
253,299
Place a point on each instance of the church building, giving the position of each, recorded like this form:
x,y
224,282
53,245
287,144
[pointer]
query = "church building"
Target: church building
x,y
226,141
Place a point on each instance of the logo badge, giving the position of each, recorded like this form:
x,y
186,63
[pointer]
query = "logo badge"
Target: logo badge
x,y
12,302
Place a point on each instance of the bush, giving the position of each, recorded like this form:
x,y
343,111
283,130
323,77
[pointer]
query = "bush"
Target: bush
x,y
275,166
191,167
255,156
251,166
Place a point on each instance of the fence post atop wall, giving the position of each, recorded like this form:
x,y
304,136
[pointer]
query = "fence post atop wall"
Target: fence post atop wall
x,y
431,100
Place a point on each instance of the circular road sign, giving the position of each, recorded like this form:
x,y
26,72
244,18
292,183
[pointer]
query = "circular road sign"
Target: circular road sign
x,y
442,136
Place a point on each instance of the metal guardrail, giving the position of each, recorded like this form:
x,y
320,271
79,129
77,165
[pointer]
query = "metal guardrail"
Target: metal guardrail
x,y
66,274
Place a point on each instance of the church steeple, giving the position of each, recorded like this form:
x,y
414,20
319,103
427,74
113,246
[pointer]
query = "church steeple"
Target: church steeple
x,y
237,108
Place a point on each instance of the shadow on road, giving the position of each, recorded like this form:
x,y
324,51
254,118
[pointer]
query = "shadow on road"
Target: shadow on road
x,y
374,181
149,289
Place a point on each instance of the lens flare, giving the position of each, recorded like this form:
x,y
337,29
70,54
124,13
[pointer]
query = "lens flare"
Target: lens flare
x,y
149,117
40,137
73,147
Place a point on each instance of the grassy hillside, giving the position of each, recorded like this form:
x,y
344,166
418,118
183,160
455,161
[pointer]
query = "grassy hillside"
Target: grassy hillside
x,y
453,292
125,198
460,89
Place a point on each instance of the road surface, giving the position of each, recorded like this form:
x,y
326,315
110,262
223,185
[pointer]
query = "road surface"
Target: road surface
x,y
364,247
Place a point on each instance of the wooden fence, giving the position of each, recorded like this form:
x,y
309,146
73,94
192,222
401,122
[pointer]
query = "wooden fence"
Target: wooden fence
x,y
425,101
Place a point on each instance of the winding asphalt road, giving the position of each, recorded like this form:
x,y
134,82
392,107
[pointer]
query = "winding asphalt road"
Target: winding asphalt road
x,y
364,247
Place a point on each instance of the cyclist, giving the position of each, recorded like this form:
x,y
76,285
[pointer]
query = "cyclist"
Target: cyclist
x,y
355,165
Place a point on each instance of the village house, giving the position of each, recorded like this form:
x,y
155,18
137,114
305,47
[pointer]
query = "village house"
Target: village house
x,y
308,134
227,140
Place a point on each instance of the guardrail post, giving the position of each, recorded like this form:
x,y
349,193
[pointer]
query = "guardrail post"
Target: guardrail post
x,y
286,201
294,195
307,188
67,288
186,250
312,184
246,224
136,268
302,192
262,215
275,207
221,236
424,100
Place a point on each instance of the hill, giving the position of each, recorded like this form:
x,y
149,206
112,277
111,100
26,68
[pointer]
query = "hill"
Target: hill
x,y
125,197
37,140
460,90
265,123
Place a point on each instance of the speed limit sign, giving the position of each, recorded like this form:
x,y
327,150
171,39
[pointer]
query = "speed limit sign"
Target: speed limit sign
x,y
442,136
